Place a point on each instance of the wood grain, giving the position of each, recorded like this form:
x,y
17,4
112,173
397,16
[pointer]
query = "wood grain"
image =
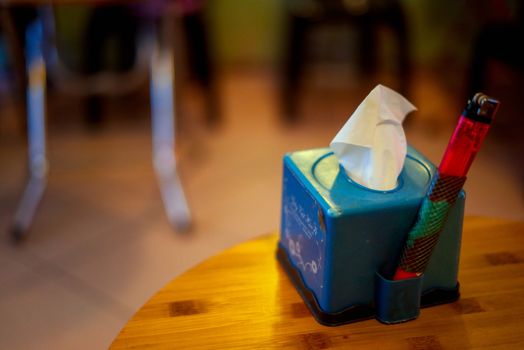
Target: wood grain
x,y
242,299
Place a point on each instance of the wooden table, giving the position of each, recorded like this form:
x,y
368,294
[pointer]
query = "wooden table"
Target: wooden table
x,y
242,298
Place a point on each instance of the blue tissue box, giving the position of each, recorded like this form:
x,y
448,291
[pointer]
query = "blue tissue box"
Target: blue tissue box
x,y
338,239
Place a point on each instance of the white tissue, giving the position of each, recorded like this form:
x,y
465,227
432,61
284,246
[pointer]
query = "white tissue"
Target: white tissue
x,y
371,146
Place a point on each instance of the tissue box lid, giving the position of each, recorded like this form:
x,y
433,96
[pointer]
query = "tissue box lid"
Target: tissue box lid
x,y
329,184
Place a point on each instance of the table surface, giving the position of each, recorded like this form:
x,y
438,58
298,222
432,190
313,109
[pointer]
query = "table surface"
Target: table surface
x,y
242,298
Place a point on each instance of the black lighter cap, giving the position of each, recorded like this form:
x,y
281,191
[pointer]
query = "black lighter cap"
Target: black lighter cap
x,y
481,108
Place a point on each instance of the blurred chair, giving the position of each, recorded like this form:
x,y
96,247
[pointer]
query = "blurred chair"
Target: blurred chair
x,y
156,57
14,23
116,25
499,41
189,35
365,16
194,42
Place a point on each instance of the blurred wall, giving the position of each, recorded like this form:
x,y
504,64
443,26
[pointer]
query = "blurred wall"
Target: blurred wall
x,y
70,24
253,31
247,31
439,29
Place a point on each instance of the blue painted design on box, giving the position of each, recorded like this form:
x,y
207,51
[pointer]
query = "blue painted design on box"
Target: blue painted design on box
x,y
338,234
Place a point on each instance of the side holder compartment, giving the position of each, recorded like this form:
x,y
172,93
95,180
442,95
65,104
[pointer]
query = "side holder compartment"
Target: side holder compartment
x,y
397,301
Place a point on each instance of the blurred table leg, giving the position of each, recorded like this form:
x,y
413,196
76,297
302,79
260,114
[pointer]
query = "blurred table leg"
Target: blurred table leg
x,y
36,132
163,128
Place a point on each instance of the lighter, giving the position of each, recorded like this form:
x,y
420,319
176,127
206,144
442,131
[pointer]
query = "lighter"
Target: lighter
x,y
472,127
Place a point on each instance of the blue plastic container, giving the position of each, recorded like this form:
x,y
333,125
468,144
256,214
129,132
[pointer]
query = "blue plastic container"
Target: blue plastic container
x,y
338,239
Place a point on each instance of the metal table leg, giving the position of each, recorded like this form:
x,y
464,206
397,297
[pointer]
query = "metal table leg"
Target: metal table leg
x,y
36,75
163,128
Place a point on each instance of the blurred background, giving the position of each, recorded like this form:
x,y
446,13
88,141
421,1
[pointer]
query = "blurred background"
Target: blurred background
x,y
253,79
